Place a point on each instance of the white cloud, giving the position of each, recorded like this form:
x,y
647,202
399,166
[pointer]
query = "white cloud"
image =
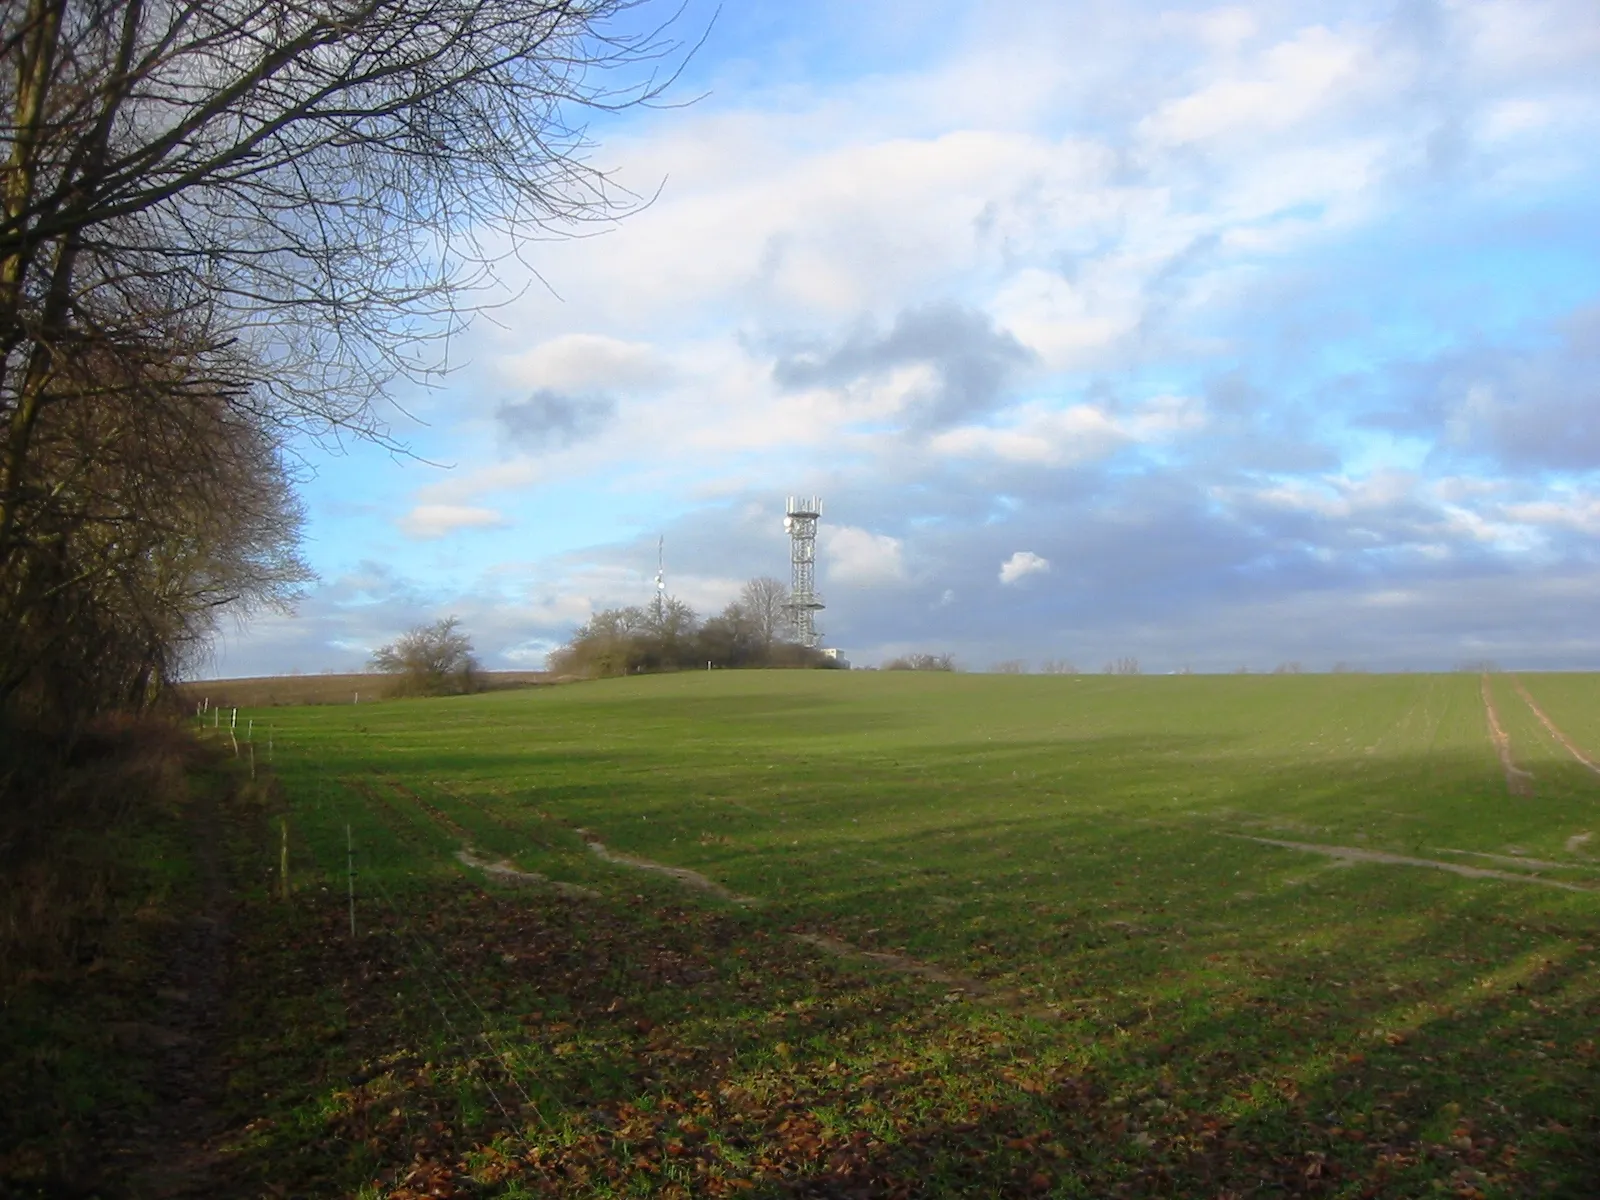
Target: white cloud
x,y
586,362
463,485
1048,436
1293,80
1150,201
428,521
1022,564
862,559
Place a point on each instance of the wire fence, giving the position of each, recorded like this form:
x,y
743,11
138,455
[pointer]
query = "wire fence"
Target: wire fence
x,y
471,1024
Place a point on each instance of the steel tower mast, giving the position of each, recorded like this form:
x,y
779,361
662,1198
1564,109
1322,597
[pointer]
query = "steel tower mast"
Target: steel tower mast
x,y
800,522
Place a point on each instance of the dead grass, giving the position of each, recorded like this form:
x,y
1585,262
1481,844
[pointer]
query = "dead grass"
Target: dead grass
x,y
270,691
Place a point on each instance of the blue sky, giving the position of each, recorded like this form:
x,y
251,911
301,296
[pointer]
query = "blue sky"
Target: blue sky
x,y
1216,336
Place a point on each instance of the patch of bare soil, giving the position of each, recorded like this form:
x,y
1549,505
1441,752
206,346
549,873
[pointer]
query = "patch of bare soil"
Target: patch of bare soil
x,y
1555,732
1358,854
682,874
1518,781
1577,842
507,872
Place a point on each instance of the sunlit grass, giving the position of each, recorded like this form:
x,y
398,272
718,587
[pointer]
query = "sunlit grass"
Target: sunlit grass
x,y
1079,845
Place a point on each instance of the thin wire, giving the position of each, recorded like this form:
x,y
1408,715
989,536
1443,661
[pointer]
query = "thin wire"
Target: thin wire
x,y
407,928
457,993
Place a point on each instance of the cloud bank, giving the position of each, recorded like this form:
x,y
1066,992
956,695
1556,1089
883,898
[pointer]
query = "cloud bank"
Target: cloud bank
x,y
1279,323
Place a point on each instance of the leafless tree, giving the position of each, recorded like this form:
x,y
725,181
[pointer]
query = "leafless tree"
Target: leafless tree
x,y
1121,666
1288,668
762,601
160,516
275,206
430,660
1011,666
1058,666
921,662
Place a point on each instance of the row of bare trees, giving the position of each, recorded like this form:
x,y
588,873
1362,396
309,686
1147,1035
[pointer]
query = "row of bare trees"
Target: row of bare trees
x,y
225,229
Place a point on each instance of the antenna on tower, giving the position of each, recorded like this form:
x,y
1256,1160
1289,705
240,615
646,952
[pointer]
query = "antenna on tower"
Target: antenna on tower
x,y
661,579
800,523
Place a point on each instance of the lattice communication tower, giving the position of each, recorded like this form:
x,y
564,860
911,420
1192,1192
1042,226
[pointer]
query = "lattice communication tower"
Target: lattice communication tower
x,y
800,522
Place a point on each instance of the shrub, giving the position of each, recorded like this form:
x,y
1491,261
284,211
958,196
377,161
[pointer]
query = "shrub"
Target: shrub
x,y
430,660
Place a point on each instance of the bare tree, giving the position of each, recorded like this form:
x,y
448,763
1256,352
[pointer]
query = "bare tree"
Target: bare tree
x,y
278,206
1011,666
921,662
1058,666
159,518
603,645
430,660
762,600
1121,666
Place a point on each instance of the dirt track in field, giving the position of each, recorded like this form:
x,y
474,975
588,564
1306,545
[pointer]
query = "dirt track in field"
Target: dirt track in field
x,y
507,872
1555,731
682,874
1358,854
969,987
1518,781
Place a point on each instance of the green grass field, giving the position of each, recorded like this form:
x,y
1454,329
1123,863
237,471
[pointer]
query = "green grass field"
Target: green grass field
x,y
1093,979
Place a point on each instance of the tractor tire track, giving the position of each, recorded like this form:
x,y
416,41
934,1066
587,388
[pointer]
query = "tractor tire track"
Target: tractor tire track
x,y
443,819
1555,731
1518,781
683,875
508,872
467,855
1358,854
901,964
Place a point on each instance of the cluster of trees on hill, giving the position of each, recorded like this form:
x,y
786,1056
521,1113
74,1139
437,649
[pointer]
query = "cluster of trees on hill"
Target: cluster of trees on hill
x,y
226,227
921,661
752,631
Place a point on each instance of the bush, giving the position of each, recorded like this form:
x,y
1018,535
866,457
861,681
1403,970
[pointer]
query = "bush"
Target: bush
x,y
670,637
430,660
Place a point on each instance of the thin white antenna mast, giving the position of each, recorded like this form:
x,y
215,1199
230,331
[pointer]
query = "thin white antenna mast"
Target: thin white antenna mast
x,y
661,579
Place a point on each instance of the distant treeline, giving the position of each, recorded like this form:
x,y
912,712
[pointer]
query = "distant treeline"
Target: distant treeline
x,y
752,631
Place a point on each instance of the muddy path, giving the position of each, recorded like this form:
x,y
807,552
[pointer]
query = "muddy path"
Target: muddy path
x,y
1554,730
1518,781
